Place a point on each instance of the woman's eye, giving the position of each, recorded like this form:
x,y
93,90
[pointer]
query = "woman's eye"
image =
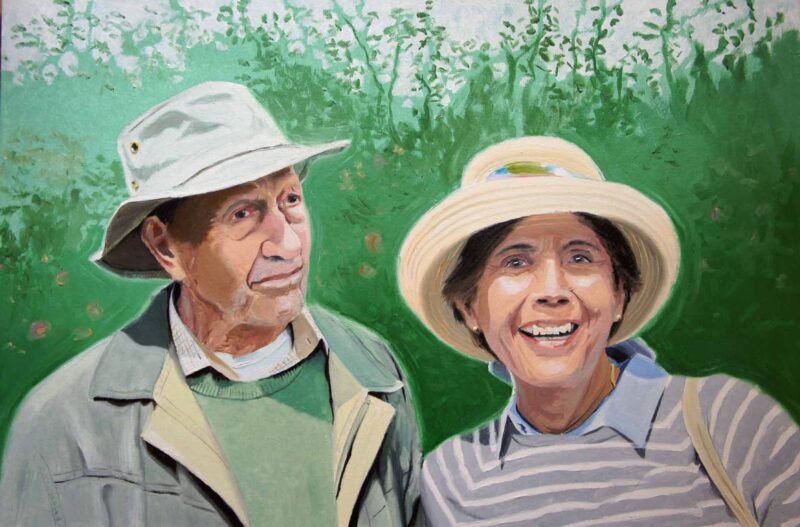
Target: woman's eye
x,y
514,262
580,258
293,199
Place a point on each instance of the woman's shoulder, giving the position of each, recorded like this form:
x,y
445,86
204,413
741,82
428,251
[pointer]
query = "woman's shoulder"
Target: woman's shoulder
x,y
727,398
719,394
467,447
741,419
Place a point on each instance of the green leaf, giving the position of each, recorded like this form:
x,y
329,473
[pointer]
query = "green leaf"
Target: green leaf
x,y
645,36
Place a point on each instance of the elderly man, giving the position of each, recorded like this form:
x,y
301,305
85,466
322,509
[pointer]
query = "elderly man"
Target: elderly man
x,y
227,402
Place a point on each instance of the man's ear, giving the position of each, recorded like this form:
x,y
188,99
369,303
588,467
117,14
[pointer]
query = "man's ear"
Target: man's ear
x,y
469,317
155,237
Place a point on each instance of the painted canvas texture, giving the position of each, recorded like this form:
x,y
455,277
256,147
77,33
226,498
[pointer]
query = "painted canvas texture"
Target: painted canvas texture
x,y
692,103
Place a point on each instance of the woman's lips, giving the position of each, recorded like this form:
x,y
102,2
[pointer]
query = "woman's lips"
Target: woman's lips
x,y
550,335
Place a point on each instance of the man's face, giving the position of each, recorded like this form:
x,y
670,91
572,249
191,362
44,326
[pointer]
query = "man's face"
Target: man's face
x,y
245,250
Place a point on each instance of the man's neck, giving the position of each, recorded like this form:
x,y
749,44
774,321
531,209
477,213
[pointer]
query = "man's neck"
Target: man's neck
x,y
560,409
220,333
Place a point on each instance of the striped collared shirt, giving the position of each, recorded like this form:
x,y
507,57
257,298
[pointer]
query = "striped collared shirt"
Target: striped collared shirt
x,y
291,347
497,475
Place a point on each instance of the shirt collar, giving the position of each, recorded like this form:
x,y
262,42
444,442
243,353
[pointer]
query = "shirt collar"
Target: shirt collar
x,y
629,409
193,356
133,358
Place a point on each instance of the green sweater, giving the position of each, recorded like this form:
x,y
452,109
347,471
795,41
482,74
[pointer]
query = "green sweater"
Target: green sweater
x,y
276,433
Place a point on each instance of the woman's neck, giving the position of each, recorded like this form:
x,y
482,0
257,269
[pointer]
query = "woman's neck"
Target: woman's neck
x,y
557,410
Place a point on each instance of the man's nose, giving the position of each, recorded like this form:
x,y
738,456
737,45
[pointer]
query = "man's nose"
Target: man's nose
x,y
281,240
550,284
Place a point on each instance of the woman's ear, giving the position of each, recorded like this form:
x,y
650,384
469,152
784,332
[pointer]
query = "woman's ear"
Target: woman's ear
x,y
156,238
619,303
468,315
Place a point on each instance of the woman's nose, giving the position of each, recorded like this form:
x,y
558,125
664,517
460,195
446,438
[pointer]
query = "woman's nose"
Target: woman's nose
x,y
551,287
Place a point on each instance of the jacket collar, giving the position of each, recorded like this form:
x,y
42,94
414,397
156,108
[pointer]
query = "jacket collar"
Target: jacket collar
x,y
135,356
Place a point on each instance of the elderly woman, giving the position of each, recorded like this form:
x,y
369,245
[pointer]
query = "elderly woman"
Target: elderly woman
x,y
539,266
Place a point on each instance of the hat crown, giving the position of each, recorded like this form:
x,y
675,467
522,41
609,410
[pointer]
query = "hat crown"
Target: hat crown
x,y
530,156
197,128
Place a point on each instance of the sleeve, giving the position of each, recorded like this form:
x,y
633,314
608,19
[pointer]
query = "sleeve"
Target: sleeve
x,y
759,445
27,493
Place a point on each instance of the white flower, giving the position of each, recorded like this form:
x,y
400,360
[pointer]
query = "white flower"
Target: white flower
x,y
49,73
68,63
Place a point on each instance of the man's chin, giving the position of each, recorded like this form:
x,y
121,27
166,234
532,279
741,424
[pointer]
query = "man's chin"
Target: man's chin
x,y
272,310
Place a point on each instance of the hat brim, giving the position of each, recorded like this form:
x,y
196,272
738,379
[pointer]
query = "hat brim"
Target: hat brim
x,y
124,253
431,249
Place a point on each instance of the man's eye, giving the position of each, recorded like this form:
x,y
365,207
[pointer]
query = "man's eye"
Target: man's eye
x,y
293,199
242,214
580,258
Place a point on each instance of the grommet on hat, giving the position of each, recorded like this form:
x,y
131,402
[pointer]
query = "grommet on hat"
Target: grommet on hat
x,y
210,137
520,178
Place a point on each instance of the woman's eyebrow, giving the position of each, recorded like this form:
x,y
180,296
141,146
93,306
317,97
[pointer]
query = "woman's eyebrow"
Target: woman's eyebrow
x,y
527,247
573,243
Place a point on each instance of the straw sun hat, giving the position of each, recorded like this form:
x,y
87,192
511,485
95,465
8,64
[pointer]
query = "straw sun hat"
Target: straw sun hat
x,y
210,137
524,177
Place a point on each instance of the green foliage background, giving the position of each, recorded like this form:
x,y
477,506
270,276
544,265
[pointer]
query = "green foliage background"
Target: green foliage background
x,y
707,128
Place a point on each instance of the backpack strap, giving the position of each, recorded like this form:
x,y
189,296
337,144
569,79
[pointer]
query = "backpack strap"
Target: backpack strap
x,y
703,445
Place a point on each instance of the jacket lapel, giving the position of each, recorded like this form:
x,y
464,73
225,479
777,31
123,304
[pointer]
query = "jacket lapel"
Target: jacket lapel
x,y
360,419
360,422
139,365
178,428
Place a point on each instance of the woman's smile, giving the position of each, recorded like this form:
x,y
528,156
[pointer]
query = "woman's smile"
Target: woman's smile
x,y
545,336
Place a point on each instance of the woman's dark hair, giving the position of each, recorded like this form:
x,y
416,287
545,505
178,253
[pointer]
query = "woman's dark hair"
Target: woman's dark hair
x,y
462,283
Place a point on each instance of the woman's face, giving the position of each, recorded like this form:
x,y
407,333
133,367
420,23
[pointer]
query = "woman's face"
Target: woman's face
x,y
546,301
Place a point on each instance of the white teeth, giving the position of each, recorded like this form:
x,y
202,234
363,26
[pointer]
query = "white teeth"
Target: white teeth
x,y
563,330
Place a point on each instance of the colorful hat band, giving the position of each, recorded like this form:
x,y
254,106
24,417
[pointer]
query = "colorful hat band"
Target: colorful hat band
x,y
531,169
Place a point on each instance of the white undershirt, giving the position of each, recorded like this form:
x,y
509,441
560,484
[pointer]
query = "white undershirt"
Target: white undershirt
x,y
277,356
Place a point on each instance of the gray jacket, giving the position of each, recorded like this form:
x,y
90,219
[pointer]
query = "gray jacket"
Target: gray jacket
x,y
115,437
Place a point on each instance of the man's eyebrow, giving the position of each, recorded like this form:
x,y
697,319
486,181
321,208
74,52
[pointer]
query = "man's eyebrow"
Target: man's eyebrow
x,y
573,243
259,203
517,247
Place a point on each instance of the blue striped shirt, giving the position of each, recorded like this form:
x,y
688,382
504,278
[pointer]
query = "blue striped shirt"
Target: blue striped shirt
x,y
496,475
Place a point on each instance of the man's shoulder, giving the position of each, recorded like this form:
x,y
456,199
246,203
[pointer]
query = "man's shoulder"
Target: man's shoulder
x,y
62,396
347,333
68,381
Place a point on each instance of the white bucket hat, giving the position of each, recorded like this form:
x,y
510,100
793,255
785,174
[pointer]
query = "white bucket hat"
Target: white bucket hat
x,y
520,178
208,138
